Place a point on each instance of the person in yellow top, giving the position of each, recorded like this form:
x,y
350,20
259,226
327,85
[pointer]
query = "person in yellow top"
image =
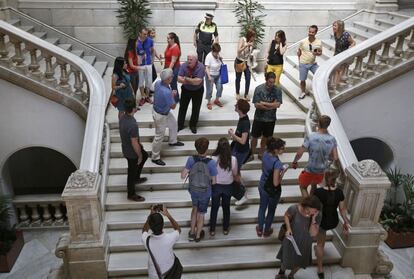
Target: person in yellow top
x,y
308,49
204,36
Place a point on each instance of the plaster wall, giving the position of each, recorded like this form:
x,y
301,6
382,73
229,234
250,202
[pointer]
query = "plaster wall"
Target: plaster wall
x,y
385,113
27,119
95,22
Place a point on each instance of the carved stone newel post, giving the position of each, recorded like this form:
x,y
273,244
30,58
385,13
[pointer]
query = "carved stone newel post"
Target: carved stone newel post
x,y
365,188
87,249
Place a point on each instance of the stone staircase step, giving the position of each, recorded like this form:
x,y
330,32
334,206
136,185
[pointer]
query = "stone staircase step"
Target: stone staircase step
x,y
27,28
240,234
145,120
53,41
293,90
181,198
41,35
90,59
369,27
213,133
78,52
14,22
358,33
173,181
67,47
136,218
210,258
177,163
386,23
292,144
101,66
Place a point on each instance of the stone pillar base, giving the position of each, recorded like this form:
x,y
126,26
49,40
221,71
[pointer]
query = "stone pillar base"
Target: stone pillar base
x,y
88,260
359,248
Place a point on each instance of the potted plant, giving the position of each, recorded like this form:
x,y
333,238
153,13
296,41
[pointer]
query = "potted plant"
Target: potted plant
x,y
249,14
11,240
133,15
397,217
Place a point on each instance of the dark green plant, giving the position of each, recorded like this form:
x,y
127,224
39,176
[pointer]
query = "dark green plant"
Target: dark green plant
x,y
133,15
249,14
7,232
396,178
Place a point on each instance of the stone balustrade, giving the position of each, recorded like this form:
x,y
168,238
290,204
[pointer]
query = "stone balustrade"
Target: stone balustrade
x,y
36,60
365,66
40,211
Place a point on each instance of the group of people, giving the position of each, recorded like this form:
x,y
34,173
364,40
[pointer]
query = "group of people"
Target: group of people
x,y
219,177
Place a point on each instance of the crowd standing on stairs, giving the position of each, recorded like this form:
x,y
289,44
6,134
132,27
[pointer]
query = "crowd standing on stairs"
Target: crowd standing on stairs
x,y
219,178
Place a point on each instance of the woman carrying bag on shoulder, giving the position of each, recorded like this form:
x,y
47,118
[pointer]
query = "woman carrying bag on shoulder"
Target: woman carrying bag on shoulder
x,y
121,85
270,188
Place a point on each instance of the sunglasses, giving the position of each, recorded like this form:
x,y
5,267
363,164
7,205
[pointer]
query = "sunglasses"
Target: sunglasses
x,y
310,47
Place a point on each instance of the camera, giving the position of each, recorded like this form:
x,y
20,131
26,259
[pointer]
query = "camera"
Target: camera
x,y
158,207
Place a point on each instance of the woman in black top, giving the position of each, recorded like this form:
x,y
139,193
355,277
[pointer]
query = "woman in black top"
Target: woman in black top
x,y
331,198
275,53
240,145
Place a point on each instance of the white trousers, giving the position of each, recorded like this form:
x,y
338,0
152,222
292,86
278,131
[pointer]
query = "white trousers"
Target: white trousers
x,y
161,123
145,76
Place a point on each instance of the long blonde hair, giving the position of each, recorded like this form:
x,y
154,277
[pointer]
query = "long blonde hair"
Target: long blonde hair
x,y
340,27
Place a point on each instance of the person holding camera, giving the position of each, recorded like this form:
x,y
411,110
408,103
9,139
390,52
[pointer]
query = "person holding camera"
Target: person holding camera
x,y
162,262
308,49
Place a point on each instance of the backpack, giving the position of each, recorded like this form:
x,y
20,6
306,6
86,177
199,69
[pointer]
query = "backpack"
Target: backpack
x,y
199,177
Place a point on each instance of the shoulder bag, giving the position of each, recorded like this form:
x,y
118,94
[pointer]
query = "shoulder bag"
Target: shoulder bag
x,y
173,273
270,189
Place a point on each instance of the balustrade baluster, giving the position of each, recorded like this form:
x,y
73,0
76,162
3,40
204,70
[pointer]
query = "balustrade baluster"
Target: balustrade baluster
x,y
4,53
314,116
34,65
47,217
59,218
64,78
370,66
79,93
410,51
398,51
86,96
49,73
385,55
24,219
357,72
18,57
36,221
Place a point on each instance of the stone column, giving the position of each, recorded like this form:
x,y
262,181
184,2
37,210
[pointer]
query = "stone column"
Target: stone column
x,y
365,188
87,248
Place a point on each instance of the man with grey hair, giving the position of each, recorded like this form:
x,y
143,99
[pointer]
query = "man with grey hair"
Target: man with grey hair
x,y
191,75
164,101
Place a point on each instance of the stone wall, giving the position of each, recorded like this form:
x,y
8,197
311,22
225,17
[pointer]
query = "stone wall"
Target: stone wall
x,y
95,22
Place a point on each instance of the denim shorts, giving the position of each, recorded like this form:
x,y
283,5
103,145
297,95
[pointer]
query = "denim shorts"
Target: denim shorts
x,y
200,200
305,68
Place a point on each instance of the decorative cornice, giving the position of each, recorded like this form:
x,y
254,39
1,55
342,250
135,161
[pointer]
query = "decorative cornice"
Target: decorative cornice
x,y
81,181
368,168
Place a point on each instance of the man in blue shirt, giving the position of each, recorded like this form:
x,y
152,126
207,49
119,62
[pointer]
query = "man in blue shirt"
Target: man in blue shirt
x,y
164,101
191,76
145,52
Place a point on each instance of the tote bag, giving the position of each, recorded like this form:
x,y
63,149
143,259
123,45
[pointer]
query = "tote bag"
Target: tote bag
x,y
224,74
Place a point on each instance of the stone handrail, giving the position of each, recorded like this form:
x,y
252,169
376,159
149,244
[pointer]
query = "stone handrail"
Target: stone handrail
x,y
88,89
359,74
66,38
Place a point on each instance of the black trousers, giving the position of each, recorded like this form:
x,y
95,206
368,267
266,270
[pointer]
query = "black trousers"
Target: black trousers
x,y
202,51
134,171
196,98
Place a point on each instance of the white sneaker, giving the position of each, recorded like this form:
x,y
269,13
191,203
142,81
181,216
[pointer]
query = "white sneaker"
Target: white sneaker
x,y
241,201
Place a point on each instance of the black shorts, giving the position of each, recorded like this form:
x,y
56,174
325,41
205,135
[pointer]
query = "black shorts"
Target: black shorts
x,y
261,128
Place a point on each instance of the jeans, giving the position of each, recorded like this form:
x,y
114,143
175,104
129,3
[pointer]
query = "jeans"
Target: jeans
x,y
175,77
196,97
266,202
209,87
220,192
134,171
247,84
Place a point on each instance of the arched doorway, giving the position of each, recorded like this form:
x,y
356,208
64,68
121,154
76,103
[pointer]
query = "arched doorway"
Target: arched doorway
x,y
375,149
37,170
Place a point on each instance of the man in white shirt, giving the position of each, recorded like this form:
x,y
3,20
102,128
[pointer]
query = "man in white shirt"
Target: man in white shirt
x,y
160,243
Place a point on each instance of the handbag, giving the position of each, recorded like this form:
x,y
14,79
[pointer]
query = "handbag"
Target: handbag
x,y
269,188
224,74
240,67
173,273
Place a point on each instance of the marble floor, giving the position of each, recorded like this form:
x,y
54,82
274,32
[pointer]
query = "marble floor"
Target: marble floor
x,y
38,258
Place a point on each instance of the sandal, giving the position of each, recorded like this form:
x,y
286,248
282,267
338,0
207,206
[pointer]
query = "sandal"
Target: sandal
x,y
218,103
209,106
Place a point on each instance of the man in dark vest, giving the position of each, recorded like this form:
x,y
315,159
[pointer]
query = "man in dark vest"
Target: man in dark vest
x,y
204,36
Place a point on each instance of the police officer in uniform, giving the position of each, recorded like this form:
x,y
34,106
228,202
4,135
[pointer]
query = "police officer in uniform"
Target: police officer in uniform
x,y
203,37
